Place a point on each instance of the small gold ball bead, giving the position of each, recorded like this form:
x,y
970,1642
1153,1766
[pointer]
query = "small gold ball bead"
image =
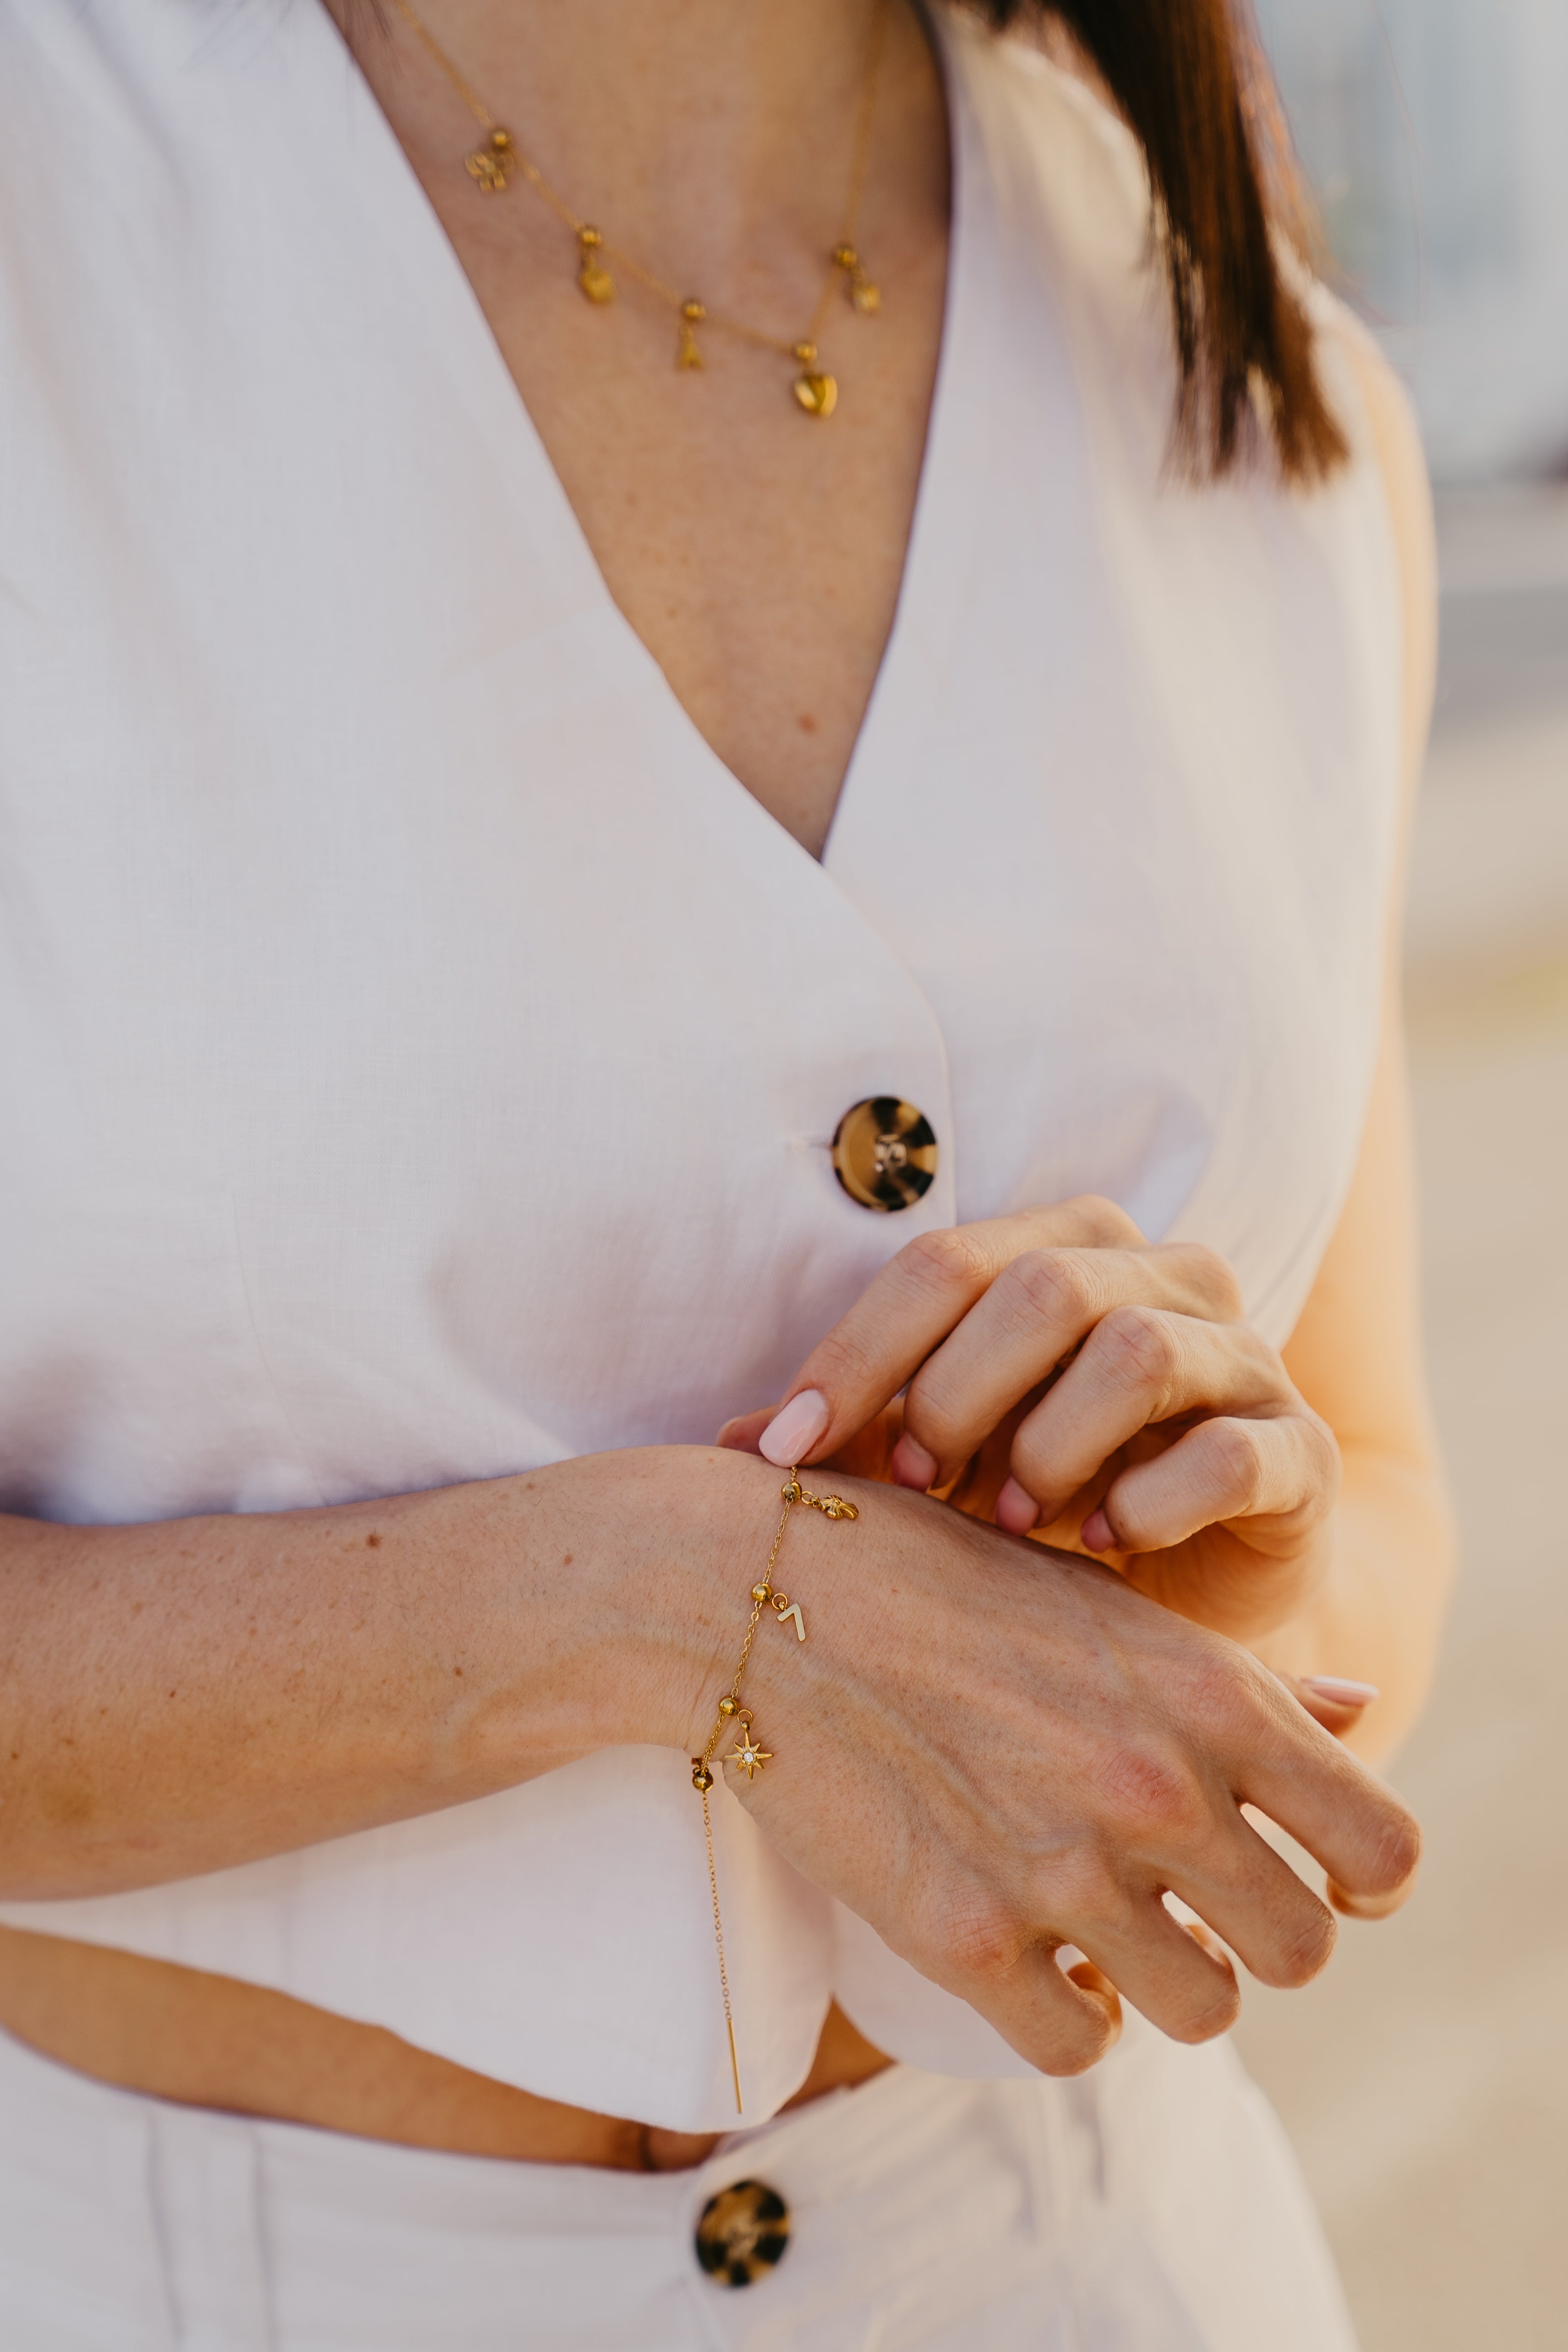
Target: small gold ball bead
x,y
694,311
805,354
761,1591
702,1778
500,141
589,237
845,257
729,1707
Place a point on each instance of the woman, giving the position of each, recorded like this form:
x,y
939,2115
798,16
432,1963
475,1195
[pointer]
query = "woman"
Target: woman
x,y
644,794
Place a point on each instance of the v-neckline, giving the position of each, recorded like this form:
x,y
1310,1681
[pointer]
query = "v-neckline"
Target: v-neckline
x,y
956,373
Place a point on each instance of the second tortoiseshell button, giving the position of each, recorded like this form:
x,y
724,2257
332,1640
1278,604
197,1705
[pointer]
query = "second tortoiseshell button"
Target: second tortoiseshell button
x,y
743,2233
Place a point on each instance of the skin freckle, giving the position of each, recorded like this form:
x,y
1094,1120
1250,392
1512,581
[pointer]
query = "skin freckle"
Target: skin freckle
x,y
806,723
68,1807
371,1541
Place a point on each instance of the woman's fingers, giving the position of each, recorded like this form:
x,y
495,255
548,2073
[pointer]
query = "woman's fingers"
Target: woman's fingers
x,y
867,1454
1042,1304
1063,2020
1245,1892
1279,1472
1352,1824
1263,1454
1180,1982
1031,1285
1369,1906
1333,1700
909,1308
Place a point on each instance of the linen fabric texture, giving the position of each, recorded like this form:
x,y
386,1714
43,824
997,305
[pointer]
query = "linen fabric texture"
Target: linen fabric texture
x,y
421,1055
928,2215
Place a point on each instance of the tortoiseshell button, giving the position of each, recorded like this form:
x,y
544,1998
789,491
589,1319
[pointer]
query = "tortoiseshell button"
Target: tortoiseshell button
x,y
743,2233
884,1153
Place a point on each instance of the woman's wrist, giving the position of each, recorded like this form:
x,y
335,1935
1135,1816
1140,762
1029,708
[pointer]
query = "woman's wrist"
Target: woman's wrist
x,y
640,1565
252,1684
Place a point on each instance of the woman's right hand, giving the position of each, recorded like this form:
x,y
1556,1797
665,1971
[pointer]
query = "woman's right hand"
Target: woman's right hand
x,y
989,1751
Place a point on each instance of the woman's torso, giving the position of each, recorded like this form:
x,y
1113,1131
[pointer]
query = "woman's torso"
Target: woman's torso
x,y
423,1054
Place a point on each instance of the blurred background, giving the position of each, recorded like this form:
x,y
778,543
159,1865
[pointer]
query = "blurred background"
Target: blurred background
x,y
1425,2080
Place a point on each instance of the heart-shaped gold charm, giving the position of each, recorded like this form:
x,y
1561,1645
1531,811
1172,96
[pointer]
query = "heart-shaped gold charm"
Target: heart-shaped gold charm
x,y
818,395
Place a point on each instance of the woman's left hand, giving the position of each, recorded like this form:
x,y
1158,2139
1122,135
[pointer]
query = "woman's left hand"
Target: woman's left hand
x,y
1074,1381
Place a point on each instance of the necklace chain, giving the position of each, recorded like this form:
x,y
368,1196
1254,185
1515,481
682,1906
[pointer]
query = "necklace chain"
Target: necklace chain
x,y
493,166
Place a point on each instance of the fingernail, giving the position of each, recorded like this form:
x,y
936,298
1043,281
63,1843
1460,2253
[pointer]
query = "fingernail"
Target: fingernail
x,y
1340,1693
1367,1907
911,1465
795,1429
1016,1511
1096,1534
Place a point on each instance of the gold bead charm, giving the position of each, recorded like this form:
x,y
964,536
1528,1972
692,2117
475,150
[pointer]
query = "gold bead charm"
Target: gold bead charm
x,y
865,296
817,393
492,166
592,274
687,355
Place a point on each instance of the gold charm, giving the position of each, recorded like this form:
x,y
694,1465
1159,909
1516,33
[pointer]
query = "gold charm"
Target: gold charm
x,y
749,1756
784,1608
831,1507
817,393
493,166
686,352
592,276
497,162
865,296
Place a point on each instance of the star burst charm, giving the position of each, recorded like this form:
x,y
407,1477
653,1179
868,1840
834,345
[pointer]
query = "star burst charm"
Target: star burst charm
x,y
749,1756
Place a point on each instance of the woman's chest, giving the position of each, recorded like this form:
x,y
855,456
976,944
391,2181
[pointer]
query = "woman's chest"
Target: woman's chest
x,y
755,546
425,1056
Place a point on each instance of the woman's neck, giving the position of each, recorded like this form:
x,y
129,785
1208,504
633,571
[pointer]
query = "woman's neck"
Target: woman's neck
x,y
640,110
756,551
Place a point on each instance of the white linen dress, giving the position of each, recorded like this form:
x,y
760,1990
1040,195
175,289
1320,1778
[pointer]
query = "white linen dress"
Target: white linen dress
x,y
420,1059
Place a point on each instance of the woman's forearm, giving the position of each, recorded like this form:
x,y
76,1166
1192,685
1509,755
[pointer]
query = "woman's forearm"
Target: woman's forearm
x,y
181,1697
1379,1613
984,1751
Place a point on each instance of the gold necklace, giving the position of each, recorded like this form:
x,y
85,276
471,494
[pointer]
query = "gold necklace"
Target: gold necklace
x,y
494,165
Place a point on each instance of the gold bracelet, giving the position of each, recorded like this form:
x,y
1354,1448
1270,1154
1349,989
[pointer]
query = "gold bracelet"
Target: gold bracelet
x,y
748,1755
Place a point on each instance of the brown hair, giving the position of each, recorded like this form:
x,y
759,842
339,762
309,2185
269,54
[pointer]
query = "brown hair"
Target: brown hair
x,y
1190,79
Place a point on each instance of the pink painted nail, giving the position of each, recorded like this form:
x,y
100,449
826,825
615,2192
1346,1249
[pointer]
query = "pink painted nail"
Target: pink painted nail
x,y
1340,1693
795,1429
1097,1534
1016,1511
911,1465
